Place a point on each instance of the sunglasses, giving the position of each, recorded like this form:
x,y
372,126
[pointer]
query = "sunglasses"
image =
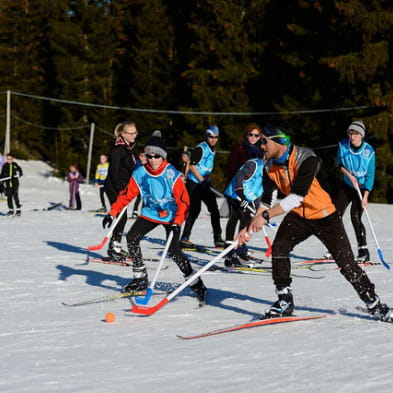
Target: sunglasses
x,y
212,136
151,156
254,135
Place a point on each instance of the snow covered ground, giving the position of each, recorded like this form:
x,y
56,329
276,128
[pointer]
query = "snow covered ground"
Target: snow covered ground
x,y
47,347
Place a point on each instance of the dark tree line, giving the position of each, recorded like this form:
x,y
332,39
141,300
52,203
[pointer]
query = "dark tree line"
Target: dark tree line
x,y
246,56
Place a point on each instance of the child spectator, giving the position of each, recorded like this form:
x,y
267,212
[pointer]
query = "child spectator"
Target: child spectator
x,y
74,177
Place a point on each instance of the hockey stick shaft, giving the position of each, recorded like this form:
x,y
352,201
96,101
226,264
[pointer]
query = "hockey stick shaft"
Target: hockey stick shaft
x,y
145,299
109,234
380,254
151,310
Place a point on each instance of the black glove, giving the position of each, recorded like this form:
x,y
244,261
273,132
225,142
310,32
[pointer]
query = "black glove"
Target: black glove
x,y
247,207
107,221
205,185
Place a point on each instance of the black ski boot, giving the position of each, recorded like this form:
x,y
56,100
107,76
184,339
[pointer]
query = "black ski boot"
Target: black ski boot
x,y
218,242
10,213
115,251
380,310
363,255
284,306
200,290
137,285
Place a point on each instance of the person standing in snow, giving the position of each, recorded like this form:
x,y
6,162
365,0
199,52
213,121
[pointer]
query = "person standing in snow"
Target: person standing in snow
x,y
74,178
12,171
139,162
165,201
100,177
356,161
243,195
199,188
121,165
297,172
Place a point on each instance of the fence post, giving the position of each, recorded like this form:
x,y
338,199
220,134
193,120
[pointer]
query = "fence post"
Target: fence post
x,y
92,127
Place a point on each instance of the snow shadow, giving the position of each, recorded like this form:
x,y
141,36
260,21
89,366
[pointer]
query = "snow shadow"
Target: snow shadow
x,y
71,248
219,298
93,278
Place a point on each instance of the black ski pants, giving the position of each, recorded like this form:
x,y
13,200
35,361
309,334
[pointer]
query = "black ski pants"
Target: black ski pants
x,y
13,196
119,228
138,230
348,195
198,194
330,231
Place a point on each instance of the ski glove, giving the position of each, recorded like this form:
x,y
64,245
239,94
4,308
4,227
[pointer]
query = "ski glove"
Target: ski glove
x,y
107,221
247,207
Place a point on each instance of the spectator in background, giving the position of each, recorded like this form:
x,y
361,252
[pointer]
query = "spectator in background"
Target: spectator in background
x,y
246,148
185,163
101,175
12,171
74,177
3,160
121,165
139,162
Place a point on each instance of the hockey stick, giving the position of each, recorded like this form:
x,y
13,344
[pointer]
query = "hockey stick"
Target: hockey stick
x,y
372,231
252,211
109,234
145,299
145,310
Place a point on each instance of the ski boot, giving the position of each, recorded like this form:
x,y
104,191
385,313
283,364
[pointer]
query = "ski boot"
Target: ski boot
x,y
234,261
115,251
380,310
137,285
18,212
10,213
200,290
363,255
187,243
218,242
284,306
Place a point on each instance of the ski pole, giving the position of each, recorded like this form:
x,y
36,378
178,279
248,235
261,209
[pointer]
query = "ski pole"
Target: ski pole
x,y
109,234
372,231
146,310
5,178
218,193
145,299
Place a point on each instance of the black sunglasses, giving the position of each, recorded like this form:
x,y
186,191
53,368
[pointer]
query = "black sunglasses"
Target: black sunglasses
x,y
150,156
255,135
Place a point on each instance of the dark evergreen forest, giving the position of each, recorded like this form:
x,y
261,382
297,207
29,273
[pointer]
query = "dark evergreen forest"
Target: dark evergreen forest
x,y
179,66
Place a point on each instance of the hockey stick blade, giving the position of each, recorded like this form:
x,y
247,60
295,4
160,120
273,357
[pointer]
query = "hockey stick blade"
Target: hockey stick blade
x,y
98,246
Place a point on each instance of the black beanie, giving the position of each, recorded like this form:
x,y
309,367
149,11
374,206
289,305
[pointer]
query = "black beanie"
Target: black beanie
x,y
156,145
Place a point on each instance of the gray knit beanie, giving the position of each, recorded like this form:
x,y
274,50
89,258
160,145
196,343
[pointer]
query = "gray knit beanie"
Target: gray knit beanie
x,y
358,126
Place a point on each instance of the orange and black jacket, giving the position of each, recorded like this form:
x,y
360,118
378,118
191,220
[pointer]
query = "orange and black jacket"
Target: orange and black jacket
x,y
301,175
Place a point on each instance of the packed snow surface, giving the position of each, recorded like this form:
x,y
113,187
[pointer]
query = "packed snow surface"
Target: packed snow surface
x,y
48,347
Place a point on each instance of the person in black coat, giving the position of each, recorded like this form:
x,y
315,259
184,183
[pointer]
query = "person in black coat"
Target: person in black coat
x,y
12,171
121,165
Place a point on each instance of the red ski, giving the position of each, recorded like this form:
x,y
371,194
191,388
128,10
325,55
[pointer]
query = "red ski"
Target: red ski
x,y
247,325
